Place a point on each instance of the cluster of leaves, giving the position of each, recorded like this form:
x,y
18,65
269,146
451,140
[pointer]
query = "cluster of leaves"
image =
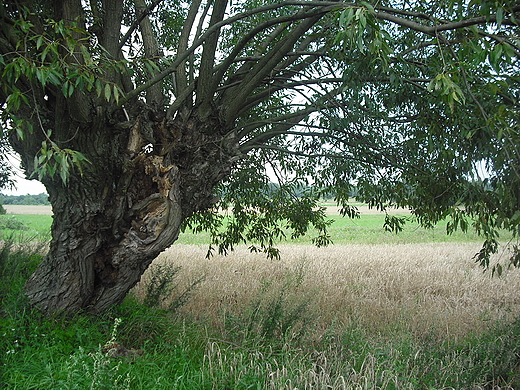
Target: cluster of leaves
x,y
5,164
260,214
42,61
360,30
54,160
434,129
161,289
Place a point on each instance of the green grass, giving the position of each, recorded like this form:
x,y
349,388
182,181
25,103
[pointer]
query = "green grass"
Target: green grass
x,y
267,346
257,349
26,226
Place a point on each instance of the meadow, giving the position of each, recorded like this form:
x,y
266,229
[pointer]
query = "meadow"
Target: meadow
x,y
375,310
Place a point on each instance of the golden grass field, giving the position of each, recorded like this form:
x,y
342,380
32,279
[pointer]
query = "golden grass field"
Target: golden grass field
x,y
24,209
426,290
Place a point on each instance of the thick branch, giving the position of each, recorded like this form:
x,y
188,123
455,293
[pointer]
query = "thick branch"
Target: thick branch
x,y
201,40
433,30
112,16
288,120
145,11
154,95
270,61
232,57
181,79
330,156
206,84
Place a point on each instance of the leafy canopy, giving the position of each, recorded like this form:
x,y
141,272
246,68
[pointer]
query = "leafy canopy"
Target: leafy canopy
x,y
409,104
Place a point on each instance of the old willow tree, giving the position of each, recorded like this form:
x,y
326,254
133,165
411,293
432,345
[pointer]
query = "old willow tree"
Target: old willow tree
x,y
143,117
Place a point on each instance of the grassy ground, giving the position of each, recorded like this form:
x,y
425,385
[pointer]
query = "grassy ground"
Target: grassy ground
x,y
373,311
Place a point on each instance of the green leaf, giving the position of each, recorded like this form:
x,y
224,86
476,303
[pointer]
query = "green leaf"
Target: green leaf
x,y
86,55
346,17
116,93
99,87
368,6
39,41
42,74
64,174
500,16
108,92
495,57
67,89
54,76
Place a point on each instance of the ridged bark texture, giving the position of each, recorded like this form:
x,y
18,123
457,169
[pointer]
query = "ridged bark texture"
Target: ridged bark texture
x,y
111,221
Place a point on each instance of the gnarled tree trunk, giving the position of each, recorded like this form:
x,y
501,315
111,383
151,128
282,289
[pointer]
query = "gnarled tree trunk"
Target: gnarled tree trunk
x,y
128,205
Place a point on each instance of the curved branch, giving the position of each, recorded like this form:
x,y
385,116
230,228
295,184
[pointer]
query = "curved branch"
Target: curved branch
x,y
269,62
280,86
330,156
433,30
296,115
232,57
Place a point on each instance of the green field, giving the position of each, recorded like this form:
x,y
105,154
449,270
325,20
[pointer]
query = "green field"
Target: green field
x,y
368,229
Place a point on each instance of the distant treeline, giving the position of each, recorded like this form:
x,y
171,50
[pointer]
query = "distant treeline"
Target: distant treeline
x,y
40,199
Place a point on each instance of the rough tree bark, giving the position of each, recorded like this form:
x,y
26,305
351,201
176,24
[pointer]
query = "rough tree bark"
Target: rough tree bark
x,y
127,206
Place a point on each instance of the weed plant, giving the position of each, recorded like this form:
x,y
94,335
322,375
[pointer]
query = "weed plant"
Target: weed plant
x,y
280,313
161,289
17,262
25,228
12,223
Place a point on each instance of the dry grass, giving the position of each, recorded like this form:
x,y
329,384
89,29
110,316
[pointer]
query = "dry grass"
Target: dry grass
x,y
428,290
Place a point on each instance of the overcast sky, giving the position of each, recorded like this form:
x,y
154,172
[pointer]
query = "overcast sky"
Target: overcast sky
x,y
24,187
